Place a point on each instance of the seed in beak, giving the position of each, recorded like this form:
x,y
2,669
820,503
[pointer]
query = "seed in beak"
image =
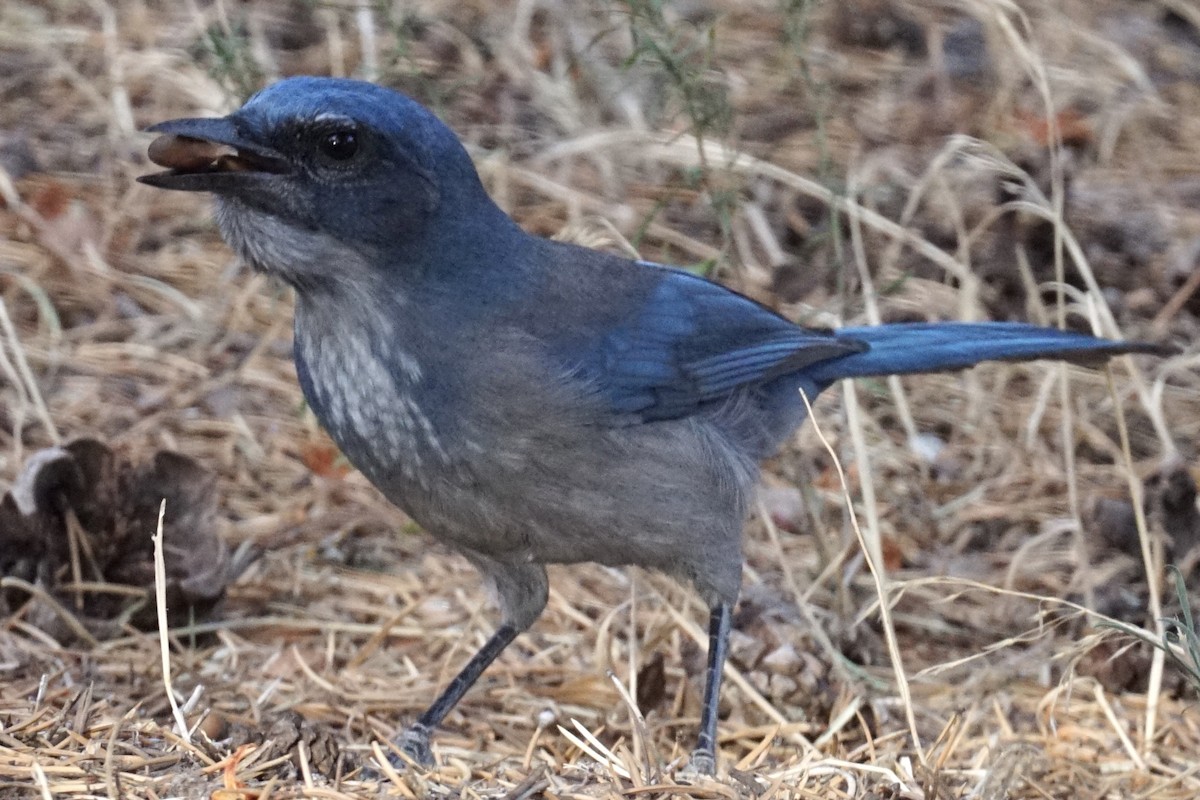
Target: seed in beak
x,y
185,154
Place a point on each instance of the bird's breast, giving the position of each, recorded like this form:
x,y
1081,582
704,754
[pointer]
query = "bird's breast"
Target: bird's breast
x,y
370,394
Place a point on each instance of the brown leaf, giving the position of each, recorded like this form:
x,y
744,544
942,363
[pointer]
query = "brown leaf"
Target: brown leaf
x,y
324,459
1073,127
652,683
110,504
1170,506
290,731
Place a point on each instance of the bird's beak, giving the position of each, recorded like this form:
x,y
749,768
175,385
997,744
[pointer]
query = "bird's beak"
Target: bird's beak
x,y
209,155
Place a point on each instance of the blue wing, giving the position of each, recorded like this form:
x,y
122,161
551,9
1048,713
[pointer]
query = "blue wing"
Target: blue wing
x,y
693,343
657,343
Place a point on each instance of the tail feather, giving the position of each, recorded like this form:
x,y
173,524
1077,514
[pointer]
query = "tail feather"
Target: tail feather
x,y
905,348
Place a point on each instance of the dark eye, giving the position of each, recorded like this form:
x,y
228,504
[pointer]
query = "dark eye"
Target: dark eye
x,y
340,145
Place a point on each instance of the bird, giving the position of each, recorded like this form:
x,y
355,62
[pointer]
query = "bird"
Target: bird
x,y
528,401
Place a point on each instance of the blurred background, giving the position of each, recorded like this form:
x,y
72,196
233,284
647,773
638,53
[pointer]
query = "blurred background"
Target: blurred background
x,y
848,162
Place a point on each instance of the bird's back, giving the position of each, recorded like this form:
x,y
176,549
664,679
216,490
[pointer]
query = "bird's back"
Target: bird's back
x,y
655,344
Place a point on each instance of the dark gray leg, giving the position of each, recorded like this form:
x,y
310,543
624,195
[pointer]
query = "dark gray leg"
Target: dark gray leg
x,y
704,758
415,740
523,590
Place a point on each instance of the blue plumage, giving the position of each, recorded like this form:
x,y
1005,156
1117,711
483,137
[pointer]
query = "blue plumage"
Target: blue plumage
x,y
527,401
905,348
692,343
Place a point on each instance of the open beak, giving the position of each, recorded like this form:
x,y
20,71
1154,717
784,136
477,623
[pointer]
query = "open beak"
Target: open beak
x,y
208,155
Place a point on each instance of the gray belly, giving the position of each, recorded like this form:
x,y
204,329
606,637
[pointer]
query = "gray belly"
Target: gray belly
x,y
661,496
530,472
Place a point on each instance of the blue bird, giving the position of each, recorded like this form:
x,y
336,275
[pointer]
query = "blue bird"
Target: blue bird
x,y
527,402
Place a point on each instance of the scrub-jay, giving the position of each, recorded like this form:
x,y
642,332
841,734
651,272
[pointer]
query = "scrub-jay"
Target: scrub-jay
x,y
526,401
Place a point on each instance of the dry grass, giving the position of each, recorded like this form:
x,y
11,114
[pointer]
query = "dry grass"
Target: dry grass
x,y
127,319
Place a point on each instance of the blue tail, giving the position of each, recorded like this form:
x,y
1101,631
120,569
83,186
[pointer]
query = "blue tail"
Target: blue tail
x,y
904,348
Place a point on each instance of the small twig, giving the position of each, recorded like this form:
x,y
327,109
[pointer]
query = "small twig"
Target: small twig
x,y
594,748
1176,302
641,734
885,610
1107,709
43,784
364,20
533,784
27,378
1151,565
72,621
164,643
305,769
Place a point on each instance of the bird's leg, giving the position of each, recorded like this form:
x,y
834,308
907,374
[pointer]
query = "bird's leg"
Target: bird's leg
x,y
522,590
414,741
704,758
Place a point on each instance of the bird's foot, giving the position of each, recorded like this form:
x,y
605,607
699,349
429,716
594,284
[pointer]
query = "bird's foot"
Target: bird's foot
x,y
702,762
414,743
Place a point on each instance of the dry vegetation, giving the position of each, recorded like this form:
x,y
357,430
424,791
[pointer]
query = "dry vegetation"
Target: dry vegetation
x,y
856,161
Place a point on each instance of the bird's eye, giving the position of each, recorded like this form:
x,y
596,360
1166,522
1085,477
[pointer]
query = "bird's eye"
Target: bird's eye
x,y
340,145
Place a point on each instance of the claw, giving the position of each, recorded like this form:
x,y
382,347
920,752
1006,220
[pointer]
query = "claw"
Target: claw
x,y
414,743
702,762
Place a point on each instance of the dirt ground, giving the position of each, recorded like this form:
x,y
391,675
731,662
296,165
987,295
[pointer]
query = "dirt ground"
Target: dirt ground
x,y
842,162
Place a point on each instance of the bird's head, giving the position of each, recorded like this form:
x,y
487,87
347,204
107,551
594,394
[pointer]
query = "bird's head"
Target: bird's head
x,y
314,170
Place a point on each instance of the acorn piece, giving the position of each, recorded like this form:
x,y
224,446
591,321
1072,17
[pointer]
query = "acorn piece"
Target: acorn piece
x,y
185,154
